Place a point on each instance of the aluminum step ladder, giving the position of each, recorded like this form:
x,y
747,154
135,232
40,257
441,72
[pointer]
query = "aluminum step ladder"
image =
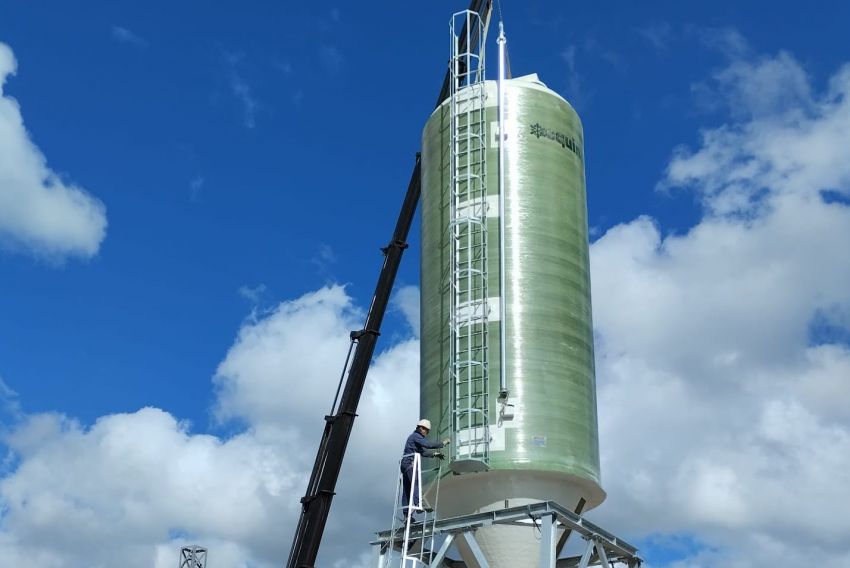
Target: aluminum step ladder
x,y
412,542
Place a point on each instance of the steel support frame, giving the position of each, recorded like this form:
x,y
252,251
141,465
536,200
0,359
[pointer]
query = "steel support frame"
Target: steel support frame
x,y
602,547
193,557
548,540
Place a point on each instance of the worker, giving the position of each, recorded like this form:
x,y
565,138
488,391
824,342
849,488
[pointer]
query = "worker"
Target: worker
x,y
417,443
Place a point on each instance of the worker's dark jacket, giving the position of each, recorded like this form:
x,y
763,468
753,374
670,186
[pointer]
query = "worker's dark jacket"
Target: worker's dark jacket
x,y
417,443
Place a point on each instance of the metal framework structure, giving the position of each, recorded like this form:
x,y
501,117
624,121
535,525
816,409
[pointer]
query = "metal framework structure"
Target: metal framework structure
x,y
193,557
410,551
600,548
467,227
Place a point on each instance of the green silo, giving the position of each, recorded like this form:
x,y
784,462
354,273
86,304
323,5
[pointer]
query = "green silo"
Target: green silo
x,y
549,449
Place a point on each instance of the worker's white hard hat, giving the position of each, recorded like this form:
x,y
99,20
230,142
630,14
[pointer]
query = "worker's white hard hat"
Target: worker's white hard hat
x,y
425,423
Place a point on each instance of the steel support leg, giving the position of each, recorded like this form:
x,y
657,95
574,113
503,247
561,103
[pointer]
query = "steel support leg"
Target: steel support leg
x,y
441,553
585,558
548,527
378,556
603,556
470,551
562,542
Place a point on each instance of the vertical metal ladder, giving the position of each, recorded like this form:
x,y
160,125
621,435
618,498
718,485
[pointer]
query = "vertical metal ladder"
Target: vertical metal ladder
x,y
468,247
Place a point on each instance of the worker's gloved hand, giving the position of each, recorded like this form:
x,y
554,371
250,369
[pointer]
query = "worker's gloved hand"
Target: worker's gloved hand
x,y
438,455
446,442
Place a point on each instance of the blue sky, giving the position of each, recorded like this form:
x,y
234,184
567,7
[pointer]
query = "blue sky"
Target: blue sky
x,y
236,162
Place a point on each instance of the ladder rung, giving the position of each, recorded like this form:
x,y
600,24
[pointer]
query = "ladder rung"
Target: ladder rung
x,y
467,272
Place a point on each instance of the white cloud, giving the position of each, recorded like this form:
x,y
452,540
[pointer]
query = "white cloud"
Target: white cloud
x,y
332,58
242,90
657,34
133,478
252,294
270,374
324,258
574,82
9,404
140,485
719,417
283,371
39,211
406,299
195,186
791,141
124,35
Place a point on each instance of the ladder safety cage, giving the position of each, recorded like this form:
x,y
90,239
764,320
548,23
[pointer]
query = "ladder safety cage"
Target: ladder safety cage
x,y
467,238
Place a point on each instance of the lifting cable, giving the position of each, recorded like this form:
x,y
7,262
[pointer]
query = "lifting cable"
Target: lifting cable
x,y
342,376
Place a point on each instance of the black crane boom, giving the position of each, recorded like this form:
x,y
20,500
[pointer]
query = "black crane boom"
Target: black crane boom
x,y
316,504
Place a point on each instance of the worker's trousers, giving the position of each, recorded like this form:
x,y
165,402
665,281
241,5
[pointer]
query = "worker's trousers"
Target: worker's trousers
x,y
407,482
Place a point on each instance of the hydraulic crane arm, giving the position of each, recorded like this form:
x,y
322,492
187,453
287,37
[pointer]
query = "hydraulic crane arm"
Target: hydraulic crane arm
x,y
316,504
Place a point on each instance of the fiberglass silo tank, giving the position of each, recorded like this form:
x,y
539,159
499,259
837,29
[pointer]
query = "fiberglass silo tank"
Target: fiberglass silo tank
x,y
549,449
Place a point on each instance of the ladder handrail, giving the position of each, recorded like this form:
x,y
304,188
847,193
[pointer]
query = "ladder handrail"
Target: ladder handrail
x,y
406,558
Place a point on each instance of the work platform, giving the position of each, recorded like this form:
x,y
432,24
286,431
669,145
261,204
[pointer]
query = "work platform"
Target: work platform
x,y
601,548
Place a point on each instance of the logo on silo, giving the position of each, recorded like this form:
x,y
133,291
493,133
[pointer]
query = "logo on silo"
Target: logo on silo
x,y
566,141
